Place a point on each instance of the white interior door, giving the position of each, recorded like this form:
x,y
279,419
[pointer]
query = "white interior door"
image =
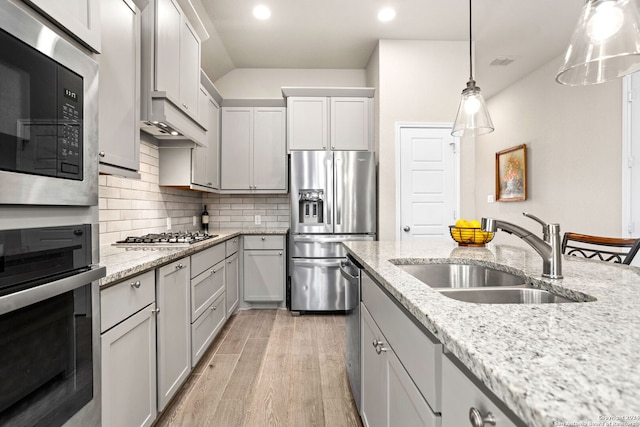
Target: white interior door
x,y
428,182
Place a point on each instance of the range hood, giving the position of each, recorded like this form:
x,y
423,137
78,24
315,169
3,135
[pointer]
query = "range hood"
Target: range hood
x,y
166,122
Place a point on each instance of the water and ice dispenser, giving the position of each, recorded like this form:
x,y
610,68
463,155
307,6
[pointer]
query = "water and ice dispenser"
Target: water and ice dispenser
x,y
311,206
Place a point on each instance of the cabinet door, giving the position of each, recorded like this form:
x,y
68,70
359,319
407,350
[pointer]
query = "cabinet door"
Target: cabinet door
x,y
307,123
129,371
232,276
189,69
269,148
263,275
169,28
349,123
213,149
119,114
374,407
199,154
174,328
80,17
237,134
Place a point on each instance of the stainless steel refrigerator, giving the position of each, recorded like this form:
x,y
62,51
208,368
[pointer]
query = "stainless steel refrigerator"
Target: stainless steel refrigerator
x,y
333,199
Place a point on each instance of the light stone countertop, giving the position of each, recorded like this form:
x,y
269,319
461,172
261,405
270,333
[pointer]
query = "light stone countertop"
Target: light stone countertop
x,y
563,363
123,262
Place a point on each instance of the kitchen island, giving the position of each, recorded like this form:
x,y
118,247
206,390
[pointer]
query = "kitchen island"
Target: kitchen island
x,y
551,364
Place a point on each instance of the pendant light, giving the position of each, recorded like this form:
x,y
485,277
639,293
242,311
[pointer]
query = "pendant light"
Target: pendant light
x,y
473,117
605,44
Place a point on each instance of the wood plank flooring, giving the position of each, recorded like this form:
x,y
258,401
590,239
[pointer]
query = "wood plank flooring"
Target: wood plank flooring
x,y
268,368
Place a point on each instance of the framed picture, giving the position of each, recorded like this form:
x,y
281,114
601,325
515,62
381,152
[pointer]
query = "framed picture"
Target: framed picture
x,y
511,174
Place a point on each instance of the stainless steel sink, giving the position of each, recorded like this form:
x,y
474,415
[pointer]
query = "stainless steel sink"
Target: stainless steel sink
x,y
461,275
504,296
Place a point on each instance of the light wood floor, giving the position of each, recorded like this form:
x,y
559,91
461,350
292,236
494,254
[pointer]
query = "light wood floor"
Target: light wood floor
x,y
267,368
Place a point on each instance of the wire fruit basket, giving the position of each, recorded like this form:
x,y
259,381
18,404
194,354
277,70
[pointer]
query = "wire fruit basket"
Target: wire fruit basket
x,y
470,236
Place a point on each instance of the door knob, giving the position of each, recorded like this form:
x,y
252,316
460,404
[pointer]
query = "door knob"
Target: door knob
x,y
407,228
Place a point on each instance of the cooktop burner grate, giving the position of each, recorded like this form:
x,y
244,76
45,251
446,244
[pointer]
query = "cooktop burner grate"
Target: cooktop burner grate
x,y
168,238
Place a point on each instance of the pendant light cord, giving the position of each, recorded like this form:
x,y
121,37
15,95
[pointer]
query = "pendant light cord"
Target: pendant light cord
x,y
470,43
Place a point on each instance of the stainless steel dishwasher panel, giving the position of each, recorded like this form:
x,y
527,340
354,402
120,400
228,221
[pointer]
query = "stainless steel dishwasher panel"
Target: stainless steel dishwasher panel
x,y
317,285
351,273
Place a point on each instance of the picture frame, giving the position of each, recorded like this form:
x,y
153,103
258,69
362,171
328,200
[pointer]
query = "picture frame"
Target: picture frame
x,y
511,174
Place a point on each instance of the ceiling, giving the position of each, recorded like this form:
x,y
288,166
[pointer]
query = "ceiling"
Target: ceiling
x,y
342,34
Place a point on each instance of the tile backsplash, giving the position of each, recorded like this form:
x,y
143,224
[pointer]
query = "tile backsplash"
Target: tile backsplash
x,y
132,207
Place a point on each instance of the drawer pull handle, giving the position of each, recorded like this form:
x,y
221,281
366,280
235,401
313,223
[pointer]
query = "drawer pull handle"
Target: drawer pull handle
x,y
155,311
135,284
478,421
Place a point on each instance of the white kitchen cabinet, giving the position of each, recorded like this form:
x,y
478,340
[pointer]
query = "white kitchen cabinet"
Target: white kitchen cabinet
x,y
329,123
177,57
128,346
263,268
253,149
80,18
232,276
461,392
119,112
173,299
389,396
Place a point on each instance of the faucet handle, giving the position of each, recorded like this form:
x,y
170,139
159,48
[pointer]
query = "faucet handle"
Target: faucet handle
x,y
545,226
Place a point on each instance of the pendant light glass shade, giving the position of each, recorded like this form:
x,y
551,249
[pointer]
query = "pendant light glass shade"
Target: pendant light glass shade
x,y
472,117
605,44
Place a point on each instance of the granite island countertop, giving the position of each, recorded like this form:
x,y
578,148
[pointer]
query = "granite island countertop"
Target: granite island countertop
x,y
126,261
551,364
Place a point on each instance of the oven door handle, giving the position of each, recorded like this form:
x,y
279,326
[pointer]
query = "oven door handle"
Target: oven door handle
x,y
16,300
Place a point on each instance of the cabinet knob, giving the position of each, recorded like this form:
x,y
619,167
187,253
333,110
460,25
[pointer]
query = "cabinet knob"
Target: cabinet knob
x,y
379,346
102,154
476,419
135,284
185,106
264,238
179,266
280,253
210,183
155,311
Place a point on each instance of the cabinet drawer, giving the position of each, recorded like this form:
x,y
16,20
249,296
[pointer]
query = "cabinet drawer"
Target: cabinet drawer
x,y
123,299
419,352
206,259
205,288
205,329
460,393
263,242
232,245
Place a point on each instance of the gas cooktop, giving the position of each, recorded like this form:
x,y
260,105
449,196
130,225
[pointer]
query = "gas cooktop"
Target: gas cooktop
x,y
180,237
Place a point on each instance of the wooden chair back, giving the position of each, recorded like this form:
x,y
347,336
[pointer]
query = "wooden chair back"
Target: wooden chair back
x,y
612,249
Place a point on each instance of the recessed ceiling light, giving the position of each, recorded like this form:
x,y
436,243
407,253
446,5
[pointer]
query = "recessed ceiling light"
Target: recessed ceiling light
x,y
261,12
386,14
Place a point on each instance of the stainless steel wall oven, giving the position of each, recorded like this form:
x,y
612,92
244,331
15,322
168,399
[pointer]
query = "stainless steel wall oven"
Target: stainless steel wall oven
x,y
47,324
48,115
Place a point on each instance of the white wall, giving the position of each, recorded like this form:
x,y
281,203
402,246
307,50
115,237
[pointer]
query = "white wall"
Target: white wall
x,y
265,83
573,137
418,81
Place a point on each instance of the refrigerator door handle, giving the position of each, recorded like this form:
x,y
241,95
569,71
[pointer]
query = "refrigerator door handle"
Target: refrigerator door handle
x,y
329,186
338,174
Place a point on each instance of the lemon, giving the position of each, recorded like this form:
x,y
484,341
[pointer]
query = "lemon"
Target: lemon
x,y
462,223
474,223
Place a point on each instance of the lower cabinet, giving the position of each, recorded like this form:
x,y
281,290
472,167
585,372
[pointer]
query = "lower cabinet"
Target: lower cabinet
x,y
232,279
174,328
264,268
389,396
128,351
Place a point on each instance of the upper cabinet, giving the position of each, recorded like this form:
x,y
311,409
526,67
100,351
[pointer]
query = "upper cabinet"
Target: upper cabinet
x,y
171,37
253,150
80,18
119,100
340,119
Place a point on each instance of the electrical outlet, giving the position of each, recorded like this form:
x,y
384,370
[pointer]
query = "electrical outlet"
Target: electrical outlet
x,y
195,221
168,223
490,198
257,219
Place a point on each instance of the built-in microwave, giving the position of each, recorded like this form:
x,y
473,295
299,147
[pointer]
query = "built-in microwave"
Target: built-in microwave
x,y
48,115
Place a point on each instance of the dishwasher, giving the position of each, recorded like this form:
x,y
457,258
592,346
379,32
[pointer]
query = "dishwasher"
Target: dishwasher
x,y
351,271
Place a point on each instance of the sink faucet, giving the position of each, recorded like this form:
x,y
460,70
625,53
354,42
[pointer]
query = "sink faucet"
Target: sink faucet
x,y
549,247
